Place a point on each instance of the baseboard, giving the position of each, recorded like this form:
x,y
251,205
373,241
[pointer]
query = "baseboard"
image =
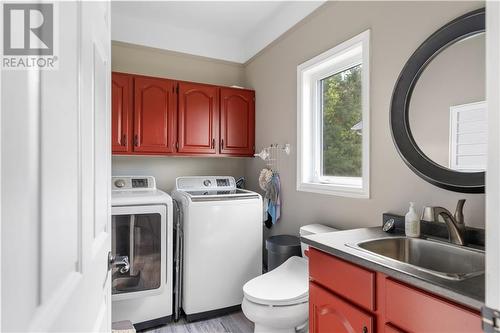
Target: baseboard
x,y
152,323
213,313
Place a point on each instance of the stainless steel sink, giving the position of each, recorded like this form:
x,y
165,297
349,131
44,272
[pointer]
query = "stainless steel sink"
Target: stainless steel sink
x,y
434,257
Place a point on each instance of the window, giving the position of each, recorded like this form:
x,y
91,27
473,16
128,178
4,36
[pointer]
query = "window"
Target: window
x,y
333,120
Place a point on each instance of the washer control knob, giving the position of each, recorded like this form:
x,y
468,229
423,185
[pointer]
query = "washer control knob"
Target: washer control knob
x,y
207,182
119,183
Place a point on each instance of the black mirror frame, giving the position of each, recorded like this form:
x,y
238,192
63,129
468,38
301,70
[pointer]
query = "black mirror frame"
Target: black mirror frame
x,y
462,27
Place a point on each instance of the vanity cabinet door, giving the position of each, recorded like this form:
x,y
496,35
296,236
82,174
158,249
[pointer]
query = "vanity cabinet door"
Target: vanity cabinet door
x,y
121,112
417,311
237,112
155,115
329,313
348,280
388,328
198,118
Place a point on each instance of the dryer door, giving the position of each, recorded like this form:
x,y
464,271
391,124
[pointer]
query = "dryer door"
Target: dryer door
x,y
139,237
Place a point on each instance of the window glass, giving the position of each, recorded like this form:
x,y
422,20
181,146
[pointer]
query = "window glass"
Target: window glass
x,y
138,237
342,123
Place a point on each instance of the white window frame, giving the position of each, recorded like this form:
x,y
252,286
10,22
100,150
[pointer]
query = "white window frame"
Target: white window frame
x,y
350,53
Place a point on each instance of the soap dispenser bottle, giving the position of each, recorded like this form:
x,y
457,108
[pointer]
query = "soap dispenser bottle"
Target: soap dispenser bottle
x,y
412,222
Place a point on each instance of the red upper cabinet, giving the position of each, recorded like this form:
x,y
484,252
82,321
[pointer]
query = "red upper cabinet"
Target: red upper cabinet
x,y
198,118
237,112
155,115
121,108
329,313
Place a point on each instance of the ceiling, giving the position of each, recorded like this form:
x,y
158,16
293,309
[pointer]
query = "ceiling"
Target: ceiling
x,y
227,30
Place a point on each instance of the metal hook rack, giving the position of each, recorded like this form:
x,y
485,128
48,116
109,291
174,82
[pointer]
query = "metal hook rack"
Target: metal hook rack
x,y
273,155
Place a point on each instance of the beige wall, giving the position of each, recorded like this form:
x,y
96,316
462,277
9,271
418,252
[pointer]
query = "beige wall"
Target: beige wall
x,y
136,59
397,29
148,61
166,169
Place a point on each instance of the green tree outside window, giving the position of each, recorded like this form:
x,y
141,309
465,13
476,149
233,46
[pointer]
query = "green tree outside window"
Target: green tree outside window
x,y
342,110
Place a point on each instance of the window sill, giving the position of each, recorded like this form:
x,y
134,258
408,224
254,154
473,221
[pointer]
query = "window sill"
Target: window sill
x,y
334,189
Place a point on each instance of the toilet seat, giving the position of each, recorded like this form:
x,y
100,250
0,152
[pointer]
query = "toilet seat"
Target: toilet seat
x,y
287,284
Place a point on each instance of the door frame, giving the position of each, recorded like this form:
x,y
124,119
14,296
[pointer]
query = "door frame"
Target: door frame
x,y
492,224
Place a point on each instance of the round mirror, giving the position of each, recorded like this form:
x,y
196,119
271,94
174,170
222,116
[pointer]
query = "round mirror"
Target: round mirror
x,y
447,110
438,111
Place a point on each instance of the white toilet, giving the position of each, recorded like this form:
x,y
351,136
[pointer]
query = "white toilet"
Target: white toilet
x,y
278,301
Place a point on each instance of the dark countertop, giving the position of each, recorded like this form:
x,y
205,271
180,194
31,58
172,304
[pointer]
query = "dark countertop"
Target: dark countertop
x,y
469,292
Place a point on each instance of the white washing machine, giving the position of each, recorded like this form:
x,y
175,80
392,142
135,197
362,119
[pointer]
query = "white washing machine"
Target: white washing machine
x,y
222,243
142,243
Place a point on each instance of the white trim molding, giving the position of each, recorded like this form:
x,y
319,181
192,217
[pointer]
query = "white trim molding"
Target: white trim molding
x,y
348,54
493,167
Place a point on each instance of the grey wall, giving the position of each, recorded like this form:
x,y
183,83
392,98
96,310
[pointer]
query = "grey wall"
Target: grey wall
x,y
148,61
166,169
397,29
137,59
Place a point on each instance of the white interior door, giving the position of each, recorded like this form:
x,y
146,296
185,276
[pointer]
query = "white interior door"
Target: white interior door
x,y
55,171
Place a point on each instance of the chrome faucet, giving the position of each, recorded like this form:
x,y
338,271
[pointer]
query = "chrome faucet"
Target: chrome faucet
x,y
455,223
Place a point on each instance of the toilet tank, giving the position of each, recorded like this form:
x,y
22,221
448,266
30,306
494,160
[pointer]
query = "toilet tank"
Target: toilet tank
x,y
312,229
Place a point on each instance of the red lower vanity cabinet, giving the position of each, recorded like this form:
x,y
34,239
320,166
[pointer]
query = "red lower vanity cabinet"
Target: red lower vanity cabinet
x,y
330,313
344,297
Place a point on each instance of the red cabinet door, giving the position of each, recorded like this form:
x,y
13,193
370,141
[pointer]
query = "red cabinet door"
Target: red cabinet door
x,y
343,278
121,112
417,311
155,115
330,314
237,134
388,328
198,118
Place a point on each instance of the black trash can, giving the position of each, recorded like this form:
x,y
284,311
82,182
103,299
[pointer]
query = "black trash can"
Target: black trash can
x,y
280,248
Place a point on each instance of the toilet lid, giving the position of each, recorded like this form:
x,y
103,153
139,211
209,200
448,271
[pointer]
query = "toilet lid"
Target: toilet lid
x,y
285,285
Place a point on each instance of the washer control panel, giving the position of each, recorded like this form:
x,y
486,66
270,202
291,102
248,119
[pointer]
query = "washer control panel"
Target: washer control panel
x,y
132,183
198,183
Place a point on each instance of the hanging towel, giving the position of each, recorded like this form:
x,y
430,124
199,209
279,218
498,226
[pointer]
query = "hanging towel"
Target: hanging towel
x,y
265,177
265,205
273,195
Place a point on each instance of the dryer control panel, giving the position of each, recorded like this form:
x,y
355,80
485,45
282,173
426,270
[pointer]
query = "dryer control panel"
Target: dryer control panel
x,y
200,183
133,183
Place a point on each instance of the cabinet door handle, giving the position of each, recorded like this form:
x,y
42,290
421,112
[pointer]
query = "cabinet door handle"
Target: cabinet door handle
x,y
222,144
124,140
136,140
213,143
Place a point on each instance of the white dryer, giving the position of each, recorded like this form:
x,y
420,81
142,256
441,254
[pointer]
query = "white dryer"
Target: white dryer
x,y
142,243
222,243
